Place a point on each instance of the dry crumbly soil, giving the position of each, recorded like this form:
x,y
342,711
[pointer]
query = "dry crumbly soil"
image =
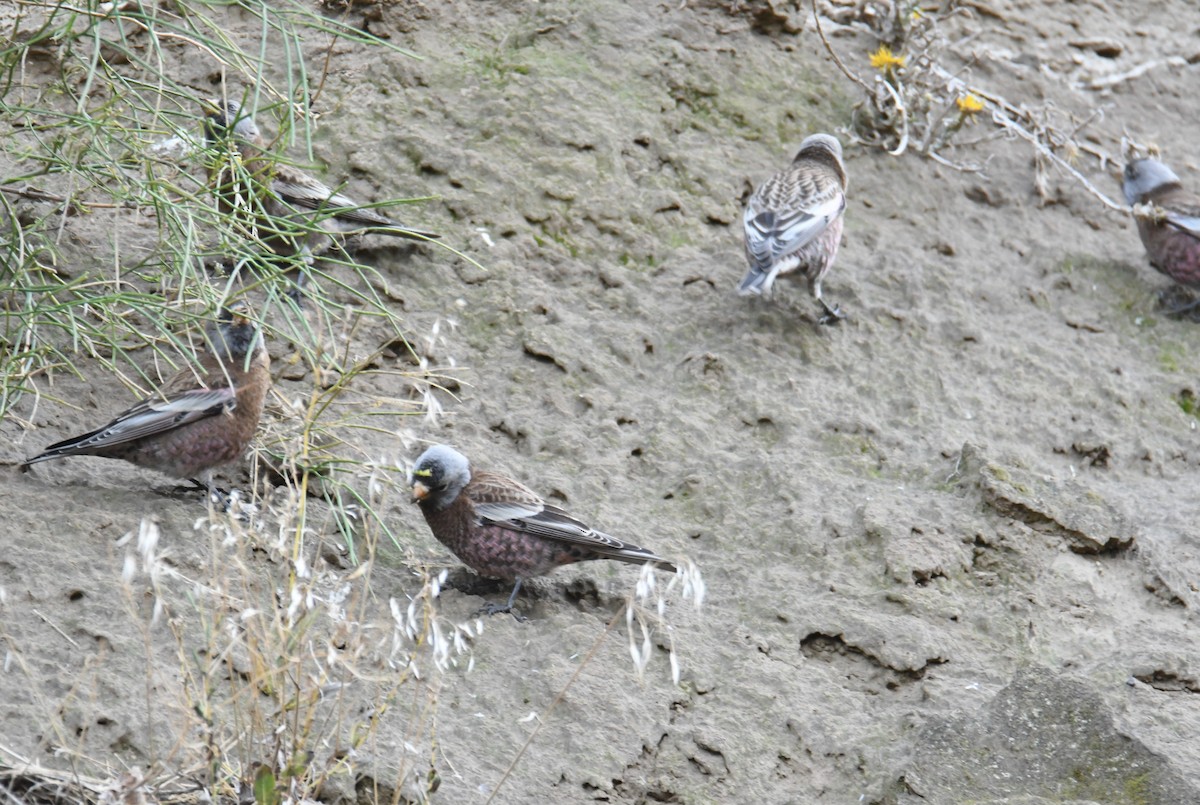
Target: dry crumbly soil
x,y
950,545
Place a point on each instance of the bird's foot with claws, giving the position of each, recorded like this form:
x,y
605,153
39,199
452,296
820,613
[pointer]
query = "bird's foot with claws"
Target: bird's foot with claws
x,y
507,606
1176,302
832,314
221,499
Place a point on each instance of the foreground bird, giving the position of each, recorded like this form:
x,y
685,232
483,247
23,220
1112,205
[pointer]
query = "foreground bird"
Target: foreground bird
x,y
290,211
1169,223
501,529
202,418
793,222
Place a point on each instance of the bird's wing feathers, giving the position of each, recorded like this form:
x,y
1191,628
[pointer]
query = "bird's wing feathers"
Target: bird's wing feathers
x,y
1173,206
302,191
1188,223
1184,213
787,212
503,501
557,524
554,523
149,418
498,498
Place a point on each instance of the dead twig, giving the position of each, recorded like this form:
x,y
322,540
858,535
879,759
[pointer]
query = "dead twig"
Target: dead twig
x,y
918,104
833,54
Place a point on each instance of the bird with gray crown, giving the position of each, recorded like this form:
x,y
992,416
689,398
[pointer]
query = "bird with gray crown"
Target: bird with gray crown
x,y
202,418
1168,219
501,529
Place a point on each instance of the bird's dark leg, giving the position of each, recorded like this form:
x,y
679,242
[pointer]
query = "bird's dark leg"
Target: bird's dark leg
x,y
832,314
494,609
1185,308
295,291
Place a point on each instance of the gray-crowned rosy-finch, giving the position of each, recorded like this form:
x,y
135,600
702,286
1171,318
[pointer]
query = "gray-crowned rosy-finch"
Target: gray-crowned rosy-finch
x,y
285,208
501,529
202,418
1168,219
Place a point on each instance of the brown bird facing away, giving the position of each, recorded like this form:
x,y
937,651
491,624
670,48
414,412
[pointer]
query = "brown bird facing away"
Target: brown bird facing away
x,y
288,210
1168,219
501,529
201,418
793,222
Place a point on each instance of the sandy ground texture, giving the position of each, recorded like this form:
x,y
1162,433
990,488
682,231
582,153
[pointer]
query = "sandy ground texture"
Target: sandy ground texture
x,y
950,544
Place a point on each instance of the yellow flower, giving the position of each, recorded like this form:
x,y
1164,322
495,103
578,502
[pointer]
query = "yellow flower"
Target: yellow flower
x,y
885,61
968,104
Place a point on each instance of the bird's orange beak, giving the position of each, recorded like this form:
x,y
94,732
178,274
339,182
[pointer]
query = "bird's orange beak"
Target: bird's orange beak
x,y
420,491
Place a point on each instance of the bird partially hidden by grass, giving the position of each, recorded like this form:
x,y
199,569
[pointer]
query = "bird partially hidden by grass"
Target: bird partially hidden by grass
x,y
201,419
501,529
284,208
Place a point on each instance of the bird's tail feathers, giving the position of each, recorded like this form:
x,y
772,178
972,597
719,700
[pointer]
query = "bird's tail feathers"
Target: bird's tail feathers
x,y
636,556
75,446
39,458
755,283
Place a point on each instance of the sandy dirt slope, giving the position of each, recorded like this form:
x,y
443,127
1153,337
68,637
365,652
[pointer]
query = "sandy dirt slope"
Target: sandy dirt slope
x,y
950,544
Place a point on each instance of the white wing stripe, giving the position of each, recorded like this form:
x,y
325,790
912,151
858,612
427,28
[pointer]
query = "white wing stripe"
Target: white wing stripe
x,y
1188,223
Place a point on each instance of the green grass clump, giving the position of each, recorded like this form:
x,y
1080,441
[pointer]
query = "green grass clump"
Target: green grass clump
x,y
103,143
112,257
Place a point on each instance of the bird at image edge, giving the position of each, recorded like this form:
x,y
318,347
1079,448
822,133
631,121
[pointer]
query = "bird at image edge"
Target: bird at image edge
x,y
1168,223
